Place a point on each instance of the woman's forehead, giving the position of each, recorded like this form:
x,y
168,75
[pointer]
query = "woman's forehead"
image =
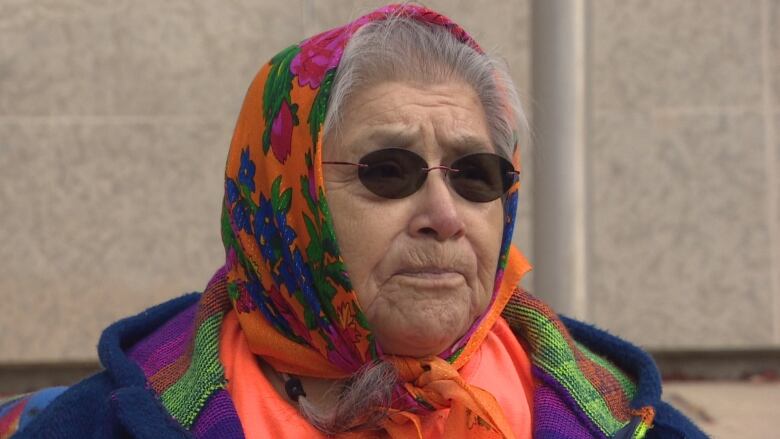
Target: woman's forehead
x,y
403,115
386,97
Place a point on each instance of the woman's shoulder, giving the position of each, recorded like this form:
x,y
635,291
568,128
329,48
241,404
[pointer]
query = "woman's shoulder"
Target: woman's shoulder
x,y
71,409
90,407
586,373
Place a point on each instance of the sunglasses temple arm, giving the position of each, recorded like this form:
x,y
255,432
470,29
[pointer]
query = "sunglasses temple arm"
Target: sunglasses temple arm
x,y
359,165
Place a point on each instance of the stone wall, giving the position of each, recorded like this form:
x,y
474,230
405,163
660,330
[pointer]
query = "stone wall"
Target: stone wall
x,y
683,159
115,119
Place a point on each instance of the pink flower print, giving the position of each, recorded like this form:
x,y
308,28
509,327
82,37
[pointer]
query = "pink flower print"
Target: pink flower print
x,y
288,314
319,54
343,355
244,303
281,133
231,260
322,52
312,184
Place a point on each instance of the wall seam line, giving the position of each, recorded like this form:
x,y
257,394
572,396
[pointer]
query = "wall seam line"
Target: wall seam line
x,y
771,170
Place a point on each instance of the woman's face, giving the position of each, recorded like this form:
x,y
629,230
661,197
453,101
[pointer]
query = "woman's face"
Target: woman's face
x,y
422,266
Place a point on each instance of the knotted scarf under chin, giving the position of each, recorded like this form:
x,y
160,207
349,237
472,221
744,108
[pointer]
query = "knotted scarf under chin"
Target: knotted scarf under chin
x,y
474,412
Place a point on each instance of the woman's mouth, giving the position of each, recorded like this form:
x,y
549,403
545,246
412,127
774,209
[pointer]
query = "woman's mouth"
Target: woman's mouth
x,y
430,273
431,277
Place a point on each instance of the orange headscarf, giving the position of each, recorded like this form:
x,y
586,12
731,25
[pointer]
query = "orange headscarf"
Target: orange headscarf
x,y
286,279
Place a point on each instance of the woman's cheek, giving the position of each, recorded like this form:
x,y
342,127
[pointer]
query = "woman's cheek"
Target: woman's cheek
x,y
365,240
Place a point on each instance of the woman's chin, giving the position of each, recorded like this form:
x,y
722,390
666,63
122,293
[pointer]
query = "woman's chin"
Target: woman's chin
x,y
409,350
420,340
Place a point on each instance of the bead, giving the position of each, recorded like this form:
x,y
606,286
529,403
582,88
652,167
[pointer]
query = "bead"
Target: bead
x,y
294,388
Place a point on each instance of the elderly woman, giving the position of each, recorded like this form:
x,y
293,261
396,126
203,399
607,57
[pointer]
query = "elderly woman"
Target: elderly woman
x,y
370,285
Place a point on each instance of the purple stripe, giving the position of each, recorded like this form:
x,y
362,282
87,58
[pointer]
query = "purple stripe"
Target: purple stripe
x,y
218,419
553,419
166,344
147,347
557,414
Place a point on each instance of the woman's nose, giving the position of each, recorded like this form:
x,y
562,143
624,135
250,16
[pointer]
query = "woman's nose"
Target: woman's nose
x,y
436,214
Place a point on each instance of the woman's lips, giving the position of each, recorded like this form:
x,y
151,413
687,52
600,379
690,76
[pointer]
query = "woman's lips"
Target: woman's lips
x,y
430,274
430,277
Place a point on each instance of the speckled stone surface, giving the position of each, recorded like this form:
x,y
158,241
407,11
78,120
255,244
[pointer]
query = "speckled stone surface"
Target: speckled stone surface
x,y
679,189
115,119
680,251
676,53
86,57
101,221
773,28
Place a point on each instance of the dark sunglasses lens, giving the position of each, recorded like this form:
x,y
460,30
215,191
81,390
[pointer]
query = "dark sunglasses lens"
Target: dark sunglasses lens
x,y
392,172
482,177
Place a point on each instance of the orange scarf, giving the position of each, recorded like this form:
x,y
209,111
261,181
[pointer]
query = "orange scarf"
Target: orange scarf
x,y
501,366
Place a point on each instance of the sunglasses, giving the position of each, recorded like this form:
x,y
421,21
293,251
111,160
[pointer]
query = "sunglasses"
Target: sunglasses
x,y
397,173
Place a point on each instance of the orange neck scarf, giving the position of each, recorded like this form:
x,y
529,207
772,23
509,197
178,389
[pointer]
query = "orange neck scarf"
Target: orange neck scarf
x,y
285,278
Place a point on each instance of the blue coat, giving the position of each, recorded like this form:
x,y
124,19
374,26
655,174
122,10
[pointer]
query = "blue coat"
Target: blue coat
x,y
116,403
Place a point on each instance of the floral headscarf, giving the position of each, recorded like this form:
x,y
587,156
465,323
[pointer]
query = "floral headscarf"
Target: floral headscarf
x,y
286,279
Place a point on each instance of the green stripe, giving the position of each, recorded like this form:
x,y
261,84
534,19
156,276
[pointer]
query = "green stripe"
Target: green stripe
x,y
554,355
641,431
625,383
205,375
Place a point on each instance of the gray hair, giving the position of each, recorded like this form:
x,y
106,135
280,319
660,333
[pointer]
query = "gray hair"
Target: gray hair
x,y
404,49
361,403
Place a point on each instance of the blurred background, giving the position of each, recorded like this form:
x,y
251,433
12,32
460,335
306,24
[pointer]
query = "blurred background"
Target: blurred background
x,y
651,193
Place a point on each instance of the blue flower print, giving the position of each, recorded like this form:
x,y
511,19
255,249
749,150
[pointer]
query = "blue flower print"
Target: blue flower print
x,y
306,282
286,277
510,209
257,293
296,276
287,232
241,217
231,190
265,230
273,234
246,173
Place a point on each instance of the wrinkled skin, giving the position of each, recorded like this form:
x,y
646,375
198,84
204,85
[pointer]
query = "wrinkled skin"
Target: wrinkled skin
x,y
423,266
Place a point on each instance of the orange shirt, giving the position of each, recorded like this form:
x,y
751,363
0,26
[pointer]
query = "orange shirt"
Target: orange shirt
x,y
500,366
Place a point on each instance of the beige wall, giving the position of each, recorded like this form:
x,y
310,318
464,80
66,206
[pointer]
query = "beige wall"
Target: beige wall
x,y
115,118
684,156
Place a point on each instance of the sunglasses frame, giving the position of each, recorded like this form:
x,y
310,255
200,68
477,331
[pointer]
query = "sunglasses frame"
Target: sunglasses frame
x,y
424,171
